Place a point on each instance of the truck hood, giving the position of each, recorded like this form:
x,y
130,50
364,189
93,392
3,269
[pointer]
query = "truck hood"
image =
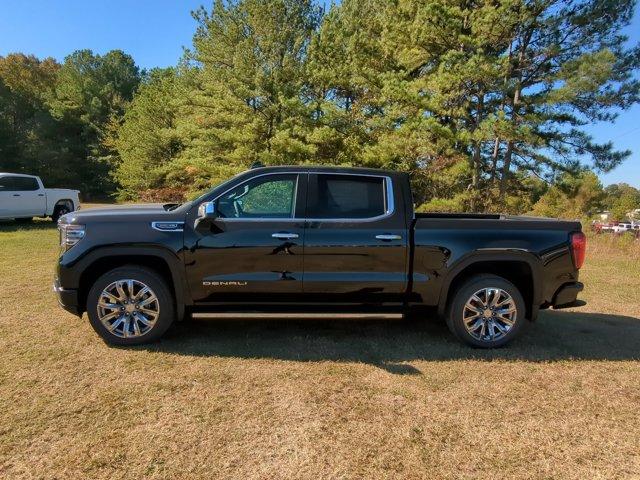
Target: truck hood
x,y
123,213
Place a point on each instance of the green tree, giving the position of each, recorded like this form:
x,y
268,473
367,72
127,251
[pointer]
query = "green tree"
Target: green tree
x,y
346,67
248,101
482,102
624,206
29,136
240,96
504,86
571,197
91,93
148,140
620,199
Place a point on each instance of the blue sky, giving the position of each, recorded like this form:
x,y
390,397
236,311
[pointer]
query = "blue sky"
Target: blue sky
x,y
154,32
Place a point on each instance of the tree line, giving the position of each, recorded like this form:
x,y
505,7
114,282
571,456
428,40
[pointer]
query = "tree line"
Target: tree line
x,y
483,102
56,120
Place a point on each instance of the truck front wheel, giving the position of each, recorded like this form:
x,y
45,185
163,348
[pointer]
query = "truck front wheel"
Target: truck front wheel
x,y
486,311
130,305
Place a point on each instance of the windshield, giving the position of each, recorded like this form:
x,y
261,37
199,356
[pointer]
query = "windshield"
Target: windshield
x,y
203,197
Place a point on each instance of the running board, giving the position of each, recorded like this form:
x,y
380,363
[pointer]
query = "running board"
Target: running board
x,y
321,316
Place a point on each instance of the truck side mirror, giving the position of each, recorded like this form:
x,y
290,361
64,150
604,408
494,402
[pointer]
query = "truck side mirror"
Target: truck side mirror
x,y
206,215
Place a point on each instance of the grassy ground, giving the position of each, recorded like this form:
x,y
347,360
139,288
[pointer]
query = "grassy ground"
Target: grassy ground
x,y
333,399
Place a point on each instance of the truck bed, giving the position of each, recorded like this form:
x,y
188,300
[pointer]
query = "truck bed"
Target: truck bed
x,y
491,220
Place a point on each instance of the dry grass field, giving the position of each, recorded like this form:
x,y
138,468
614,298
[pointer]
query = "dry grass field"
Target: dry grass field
x,y
308,399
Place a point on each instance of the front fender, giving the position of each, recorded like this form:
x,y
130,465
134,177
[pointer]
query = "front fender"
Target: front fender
x,y
71,269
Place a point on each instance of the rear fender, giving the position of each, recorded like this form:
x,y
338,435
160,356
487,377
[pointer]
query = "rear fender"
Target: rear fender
x,y
495,255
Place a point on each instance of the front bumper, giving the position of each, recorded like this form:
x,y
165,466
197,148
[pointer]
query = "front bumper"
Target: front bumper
x,y
567,296
67,298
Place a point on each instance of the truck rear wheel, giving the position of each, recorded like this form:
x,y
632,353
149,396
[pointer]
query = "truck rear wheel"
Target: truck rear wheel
x,y
486,311
60,210
130,305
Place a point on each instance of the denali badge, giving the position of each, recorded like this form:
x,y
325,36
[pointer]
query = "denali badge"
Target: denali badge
x,y
168,226
224,284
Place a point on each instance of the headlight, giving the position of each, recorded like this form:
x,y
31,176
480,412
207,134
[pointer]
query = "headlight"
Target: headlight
x,y
70,235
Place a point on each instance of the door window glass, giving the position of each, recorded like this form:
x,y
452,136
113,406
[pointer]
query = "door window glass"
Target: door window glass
x,y
271,196
25,184
6,184
18,184
347,196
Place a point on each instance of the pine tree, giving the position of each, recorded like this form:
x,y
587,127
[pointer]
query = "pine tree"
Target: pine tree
x,y
91,93
148,140
503,86
248,102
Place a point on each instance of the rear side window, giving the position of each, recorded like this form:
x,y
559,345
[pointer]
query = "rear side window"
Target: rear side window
x,y
25,184
347,196
18,184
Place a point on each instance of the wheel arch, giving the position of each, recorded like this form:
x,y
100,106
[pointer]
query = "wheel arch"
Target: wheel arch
x,y
164,263
520,268
64,201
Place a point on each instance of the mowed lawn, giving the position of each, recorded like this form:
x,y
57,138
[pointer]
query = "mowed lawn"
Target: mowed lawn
x,y
308,399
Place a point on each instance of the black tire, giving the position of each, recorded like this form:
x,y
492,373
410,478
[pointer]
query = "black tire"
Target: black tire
x,y
154,282
60,210
464,293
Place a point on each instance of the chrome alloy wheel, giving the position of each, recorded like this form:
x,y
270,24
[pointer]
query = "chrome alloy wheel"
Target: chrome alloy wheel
x,y
128,308
489,314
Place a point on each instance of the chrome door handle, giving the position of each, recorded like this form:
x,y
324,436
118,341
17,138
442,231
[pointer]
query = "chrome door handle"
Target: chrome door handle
x,y
388,237
284,235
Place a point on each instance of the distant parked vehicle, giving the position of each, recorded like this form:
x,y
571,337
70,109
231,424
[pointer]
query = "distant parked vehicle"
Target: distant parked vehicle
x,y
622,228
23,197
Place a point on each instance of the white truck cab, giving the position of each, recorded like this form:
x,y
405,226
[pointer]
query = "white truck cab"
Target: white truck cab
x,y
23,197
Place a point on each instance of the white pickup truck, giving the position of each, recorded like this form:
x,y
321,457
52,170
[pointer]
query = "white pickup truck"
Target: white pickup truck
x,y
23,197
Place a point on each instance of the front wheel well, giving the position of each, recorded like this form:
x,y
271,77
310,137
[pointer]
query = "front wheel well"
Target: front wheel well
x,y
103,265
517,272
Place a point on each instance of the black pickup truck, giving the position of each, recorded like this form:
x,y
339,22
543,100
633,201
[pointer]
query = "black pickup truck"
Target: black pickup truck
x,y
302,239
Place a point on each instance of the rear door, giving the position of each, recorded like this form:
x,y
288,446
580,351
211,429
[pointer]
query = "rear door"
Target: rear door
x,y
356,239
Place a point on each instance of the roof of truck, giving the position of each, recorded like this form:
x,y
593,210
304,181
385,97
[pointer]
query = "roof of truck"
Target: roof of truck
x,y
17,174
332,169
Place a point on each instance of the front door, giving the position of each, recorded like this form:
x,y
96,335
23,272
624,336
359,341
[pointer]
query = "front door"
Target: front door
x,y
8,201
356,239
254,251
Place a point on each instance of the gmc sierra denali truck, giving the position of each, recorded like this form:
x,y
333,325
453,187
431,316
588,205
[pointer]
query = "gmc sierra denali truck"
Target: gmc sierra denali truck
x,y
313,239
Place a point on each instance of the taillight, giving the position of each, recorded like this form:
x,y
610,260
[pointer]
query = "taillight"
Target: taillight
x,y
579,248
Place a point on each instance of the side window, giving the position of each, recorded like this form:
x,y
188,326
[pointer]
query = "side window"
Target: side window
x,y
347,196
7,184
25,184
270,196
